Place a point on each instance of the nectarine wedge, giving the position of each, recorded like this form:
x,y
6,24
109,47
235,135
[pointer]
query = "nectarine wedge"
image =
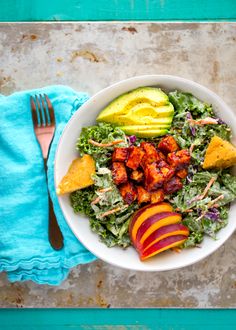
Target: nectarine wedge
x,y
162,245
146,212
160,218
155,222
163,232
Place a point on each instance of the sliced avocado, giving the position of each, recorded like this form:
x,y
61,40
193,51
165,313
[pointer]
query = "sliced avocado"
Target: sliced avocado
x,y
152,133
140,111
137,128
145,109
144,132
123,121
122,104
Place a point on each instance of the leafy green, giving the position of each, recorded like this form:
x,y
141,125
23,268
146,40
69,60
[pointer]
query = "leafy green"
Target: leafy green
x,y
186,107
113,228
187,102
204,227
106,200
101,133
229,181
194,239
81,201
203,219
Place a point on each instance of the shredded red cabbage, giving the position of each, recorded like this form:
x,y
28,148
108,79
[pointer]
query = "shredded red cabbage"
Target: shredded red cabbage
x,y
192,128
213,214
132,139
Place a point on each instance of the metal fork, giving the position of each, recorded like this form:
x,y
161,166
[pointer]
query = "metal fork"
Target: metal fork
x,y
44,127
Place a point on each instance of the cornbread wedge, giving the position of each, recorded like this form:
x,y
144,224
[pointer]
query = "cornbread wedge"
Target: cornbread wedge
x,y
79,175
219,154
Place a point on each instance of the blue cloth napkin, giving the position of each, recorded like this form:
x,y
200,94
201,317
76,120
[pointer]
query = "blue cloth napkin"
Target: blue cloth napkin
x,y
25,253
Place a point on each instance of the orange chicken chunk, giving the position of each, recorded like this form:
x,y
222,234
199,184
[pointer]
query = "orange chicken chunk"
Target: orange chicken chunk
x,y
179,159
128,192
143,195
135,156
119,173
168,144
120,154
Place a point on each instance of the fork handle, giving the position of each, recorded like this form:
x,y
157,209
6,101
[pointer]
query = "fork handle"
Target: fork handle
x,y
54,232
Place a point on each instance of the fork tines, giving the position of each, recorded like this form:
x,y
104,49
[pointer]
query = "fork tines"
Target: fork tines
x,y
42,110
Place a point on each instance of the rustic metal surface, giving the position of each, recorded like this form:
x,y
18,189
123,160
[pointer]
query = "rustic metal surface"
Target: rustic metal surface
x,y
89,57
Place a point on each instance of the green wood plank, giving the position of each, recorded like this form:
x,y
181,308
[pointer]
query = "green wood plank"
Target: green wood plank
x,y
122,319
28,10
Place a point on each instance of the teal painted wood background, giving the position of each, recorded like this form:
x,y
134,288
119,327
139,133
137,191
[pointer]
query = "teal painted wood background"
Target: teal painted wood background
x,y
119,319
51,10
102,10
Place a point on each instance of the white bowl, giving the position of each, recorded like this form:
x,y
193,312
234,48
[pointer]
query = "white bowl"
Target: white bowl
x,y
66,153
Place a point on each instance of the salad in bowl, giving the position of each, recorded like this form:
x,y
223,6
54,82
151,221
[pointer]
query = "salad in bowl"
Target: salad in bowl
x,y
153,173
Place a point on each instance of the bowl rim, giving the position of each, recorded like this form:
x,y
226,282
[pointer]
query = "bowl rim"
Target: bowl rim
x,y
172,78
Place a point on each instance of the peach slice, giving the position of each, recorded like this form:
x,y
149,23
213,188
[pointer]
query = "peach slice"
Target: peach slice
x,y
156,218
155,222
144,213
162,245
163,232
